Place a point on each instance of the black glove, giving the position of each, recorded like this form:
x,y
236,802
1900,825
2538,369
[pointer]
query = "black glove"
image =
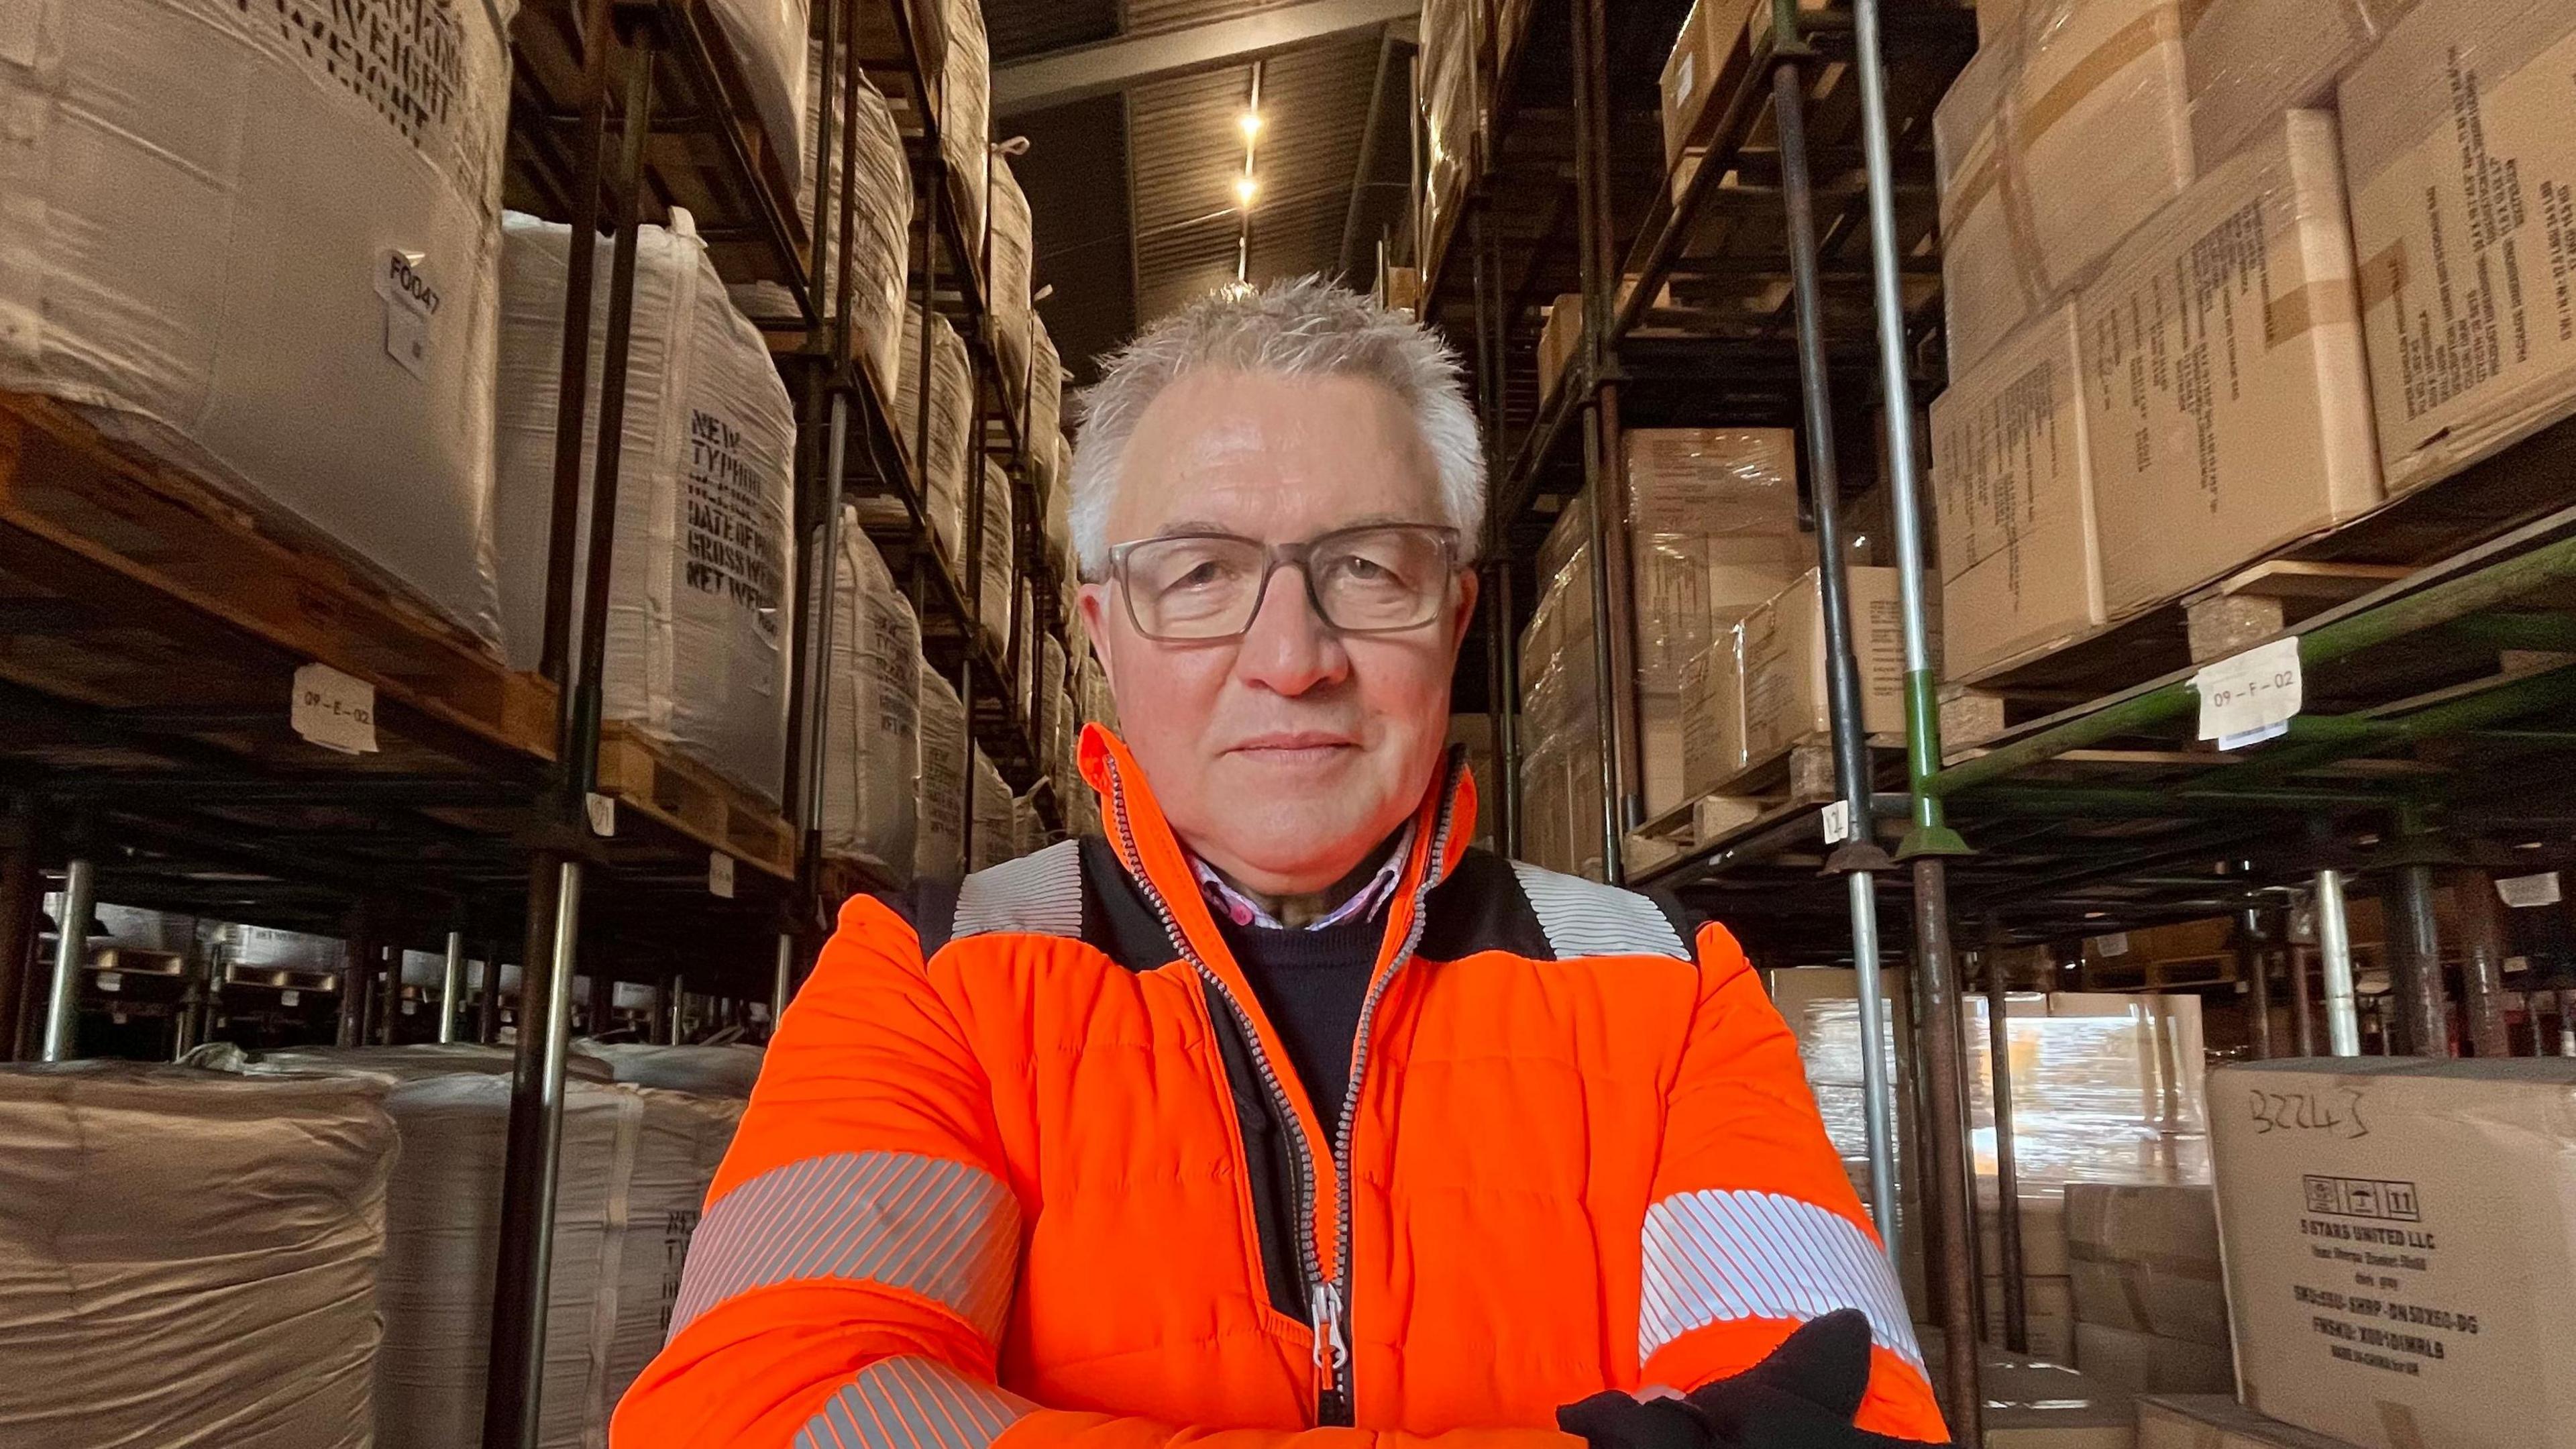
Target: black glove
x,y
1803,1396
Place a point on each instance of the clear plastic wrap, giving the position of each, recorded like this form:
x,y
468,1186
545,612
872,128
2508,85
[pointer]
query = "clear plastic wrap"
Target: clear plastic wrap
x,y
881,219
965,111
239,241
679,1140
2222,366
994,593
872,735
952,423
1046,411
700,569
1059,517
708,1071
2460,153
1448,111
1012,262
1560,699
769,38
939,844
1048,710
996,832
191,1258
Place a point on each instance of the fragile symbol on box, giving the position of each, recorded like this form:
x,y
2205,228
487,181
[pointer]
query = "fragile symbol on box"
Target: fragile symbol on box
x,y
333,710
2247,697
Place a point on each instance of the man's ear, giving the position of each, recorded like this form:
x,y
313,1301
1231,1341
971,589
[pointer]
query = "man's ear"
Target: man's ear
x,y
1093,599
1470,582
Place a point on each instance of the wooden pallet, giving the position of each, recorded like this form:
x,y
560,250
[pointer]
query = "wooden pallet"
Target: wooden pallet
x,y
646,775
126,582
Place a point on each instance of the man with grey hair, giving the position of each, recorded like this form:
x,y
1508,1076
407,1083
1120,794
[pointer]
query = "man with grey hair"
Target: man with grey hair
x,y
1279,1111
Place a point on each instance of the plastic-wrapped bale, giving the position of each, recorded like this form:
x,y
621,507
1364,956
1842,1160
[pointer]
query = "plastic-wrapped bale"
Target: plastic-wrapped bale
x,y
965,110
1028,831
939,845
679,1141
190,1258
881,219
993,551
709,1071
1059,513
996,829
768,37
1061,763
1048,709
236,238
1009,283
419,1059
1046,409
1024,653
952,420
872,735
699,569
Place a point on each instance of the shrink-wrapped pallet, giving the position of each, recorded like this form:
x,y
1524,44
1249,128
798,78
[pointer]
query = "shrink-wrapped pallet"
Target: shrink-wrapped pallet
x,y
231,234
942,466
1059,517
881,219
965,112
871,735
993,591
189,1258
708,1071
1046,408
939,846
1048,708
679,1141
699,566
1011,250
768,39
995,832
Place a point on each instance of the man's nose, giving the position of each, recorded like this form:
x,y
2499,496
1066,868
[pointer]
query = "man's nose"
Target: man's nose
x,y
1289,650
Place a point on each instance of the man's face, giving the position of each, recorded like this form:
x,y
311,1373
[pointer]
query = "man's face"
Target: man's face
x,y
1283,756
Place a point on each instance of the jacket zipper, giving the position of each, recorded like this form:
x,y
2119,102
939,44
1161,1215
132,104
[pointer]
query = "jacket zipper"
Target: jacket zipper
x,y
1327,1301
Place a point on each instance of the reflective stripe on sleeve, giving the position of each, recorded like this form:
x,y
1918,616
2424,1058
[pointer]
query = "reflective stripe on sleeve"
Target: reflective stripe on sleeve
x,y
1720,1255
912,1403
929,1225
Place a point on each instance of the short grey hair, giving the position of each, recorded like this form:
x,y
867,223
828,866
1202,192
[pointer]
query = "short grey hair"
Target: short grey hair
x,y
1308,327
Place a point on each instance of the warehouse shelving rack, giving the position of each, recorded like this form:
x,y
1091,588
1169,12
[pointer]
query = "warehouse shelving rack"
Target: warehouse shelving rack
x,y
149,630
2427,746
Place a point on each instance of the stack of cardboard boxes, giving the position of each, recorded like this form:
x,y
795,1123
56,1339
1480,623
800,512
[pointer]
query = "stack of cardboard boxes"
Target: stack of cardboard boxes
x,y
2222,275
2150,1311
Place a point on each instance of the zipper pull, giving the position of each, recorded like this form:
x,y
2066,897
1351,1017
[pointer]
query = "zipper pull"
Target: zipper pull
x,y
1330,1352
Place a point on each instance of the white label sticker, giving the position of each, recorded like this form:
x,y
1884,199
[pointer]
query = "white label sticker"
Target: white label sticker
x,y
289,998
2249,692
110,981
410,1007
410,303
1685,79
2114,944
333,710
603,812
2525,891
1838,827
720,874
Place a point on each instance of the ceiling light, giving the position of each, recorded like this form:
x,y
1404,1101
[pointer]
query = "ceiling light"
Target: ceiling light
x,y
1250,122
1245,189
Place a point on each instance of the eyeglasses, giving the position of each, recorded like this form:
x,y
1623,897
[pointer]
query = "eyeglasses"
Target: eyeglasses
x,y
1375,579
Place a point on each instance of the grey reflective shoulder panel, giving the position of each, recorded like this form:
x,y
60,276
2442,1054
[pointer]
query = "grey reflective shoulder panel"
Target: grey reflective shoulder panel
x,y
1587,918
1038,894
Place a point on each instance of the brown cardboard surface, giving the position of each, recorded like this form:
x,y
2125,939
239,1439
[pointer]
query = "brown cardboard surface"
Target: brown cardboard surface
x,y
2250,60
2226,403
1712,716
1986,266
2201,1421
2012,493
2033,1404
1782,646
1713,531
2463,220
1558,341
2400,1242
2144,1363
1697,67
2100,119
2144,1257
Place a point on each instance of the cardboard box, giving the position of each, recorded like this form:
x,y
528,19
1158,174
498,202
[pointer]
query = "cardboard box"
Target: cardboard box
x,y
1782,648
1713,716
2465,228
1697,67
2227,404
2012,495
2143,1363
2101,129
2032,1404
2400,1240
2250,60
2144,1258
1558,341
1713,532
1987,266
2201,1421
1659,739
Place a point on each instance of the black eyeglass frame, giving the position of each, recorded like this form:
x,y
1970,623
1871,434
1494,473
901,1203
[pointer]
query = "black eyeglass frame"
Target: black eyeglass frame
x,y
1275,556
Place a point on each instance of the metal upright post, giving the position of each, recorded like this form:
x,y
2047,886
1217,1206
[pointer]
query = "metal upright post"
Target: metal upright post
x,y
391,954
2007,1174
516,1363
1502,685
2253,968
2303,1007
2334,951
21,901
1859,858
358,978
675,1005
2566,1022
2415,965
71,952
2482,952
451,984
487,1007
782,987
1613,630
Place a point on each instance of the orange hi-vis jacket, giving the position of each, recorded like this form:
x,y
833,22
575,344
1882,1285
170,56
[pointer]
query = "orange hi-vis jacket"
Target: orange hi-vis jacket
x,y
1040,1173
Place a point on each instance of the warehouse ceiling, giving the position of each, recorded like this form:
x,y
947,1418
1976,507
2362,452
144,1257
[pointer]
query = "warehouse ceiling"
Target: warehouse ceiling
x,y
1133,110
